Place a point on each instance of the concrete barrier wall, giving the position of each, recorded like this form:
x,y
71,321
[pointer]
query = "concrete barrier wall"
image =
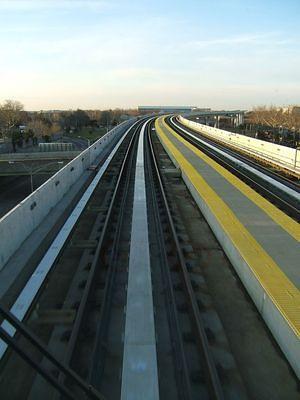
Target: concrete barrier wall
x,y
19,223
281,155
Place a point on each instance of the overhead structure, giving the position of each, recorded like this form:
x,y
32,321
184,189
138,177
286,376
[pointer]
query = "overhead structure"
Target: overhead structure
x,y
206,115
212,117
166,109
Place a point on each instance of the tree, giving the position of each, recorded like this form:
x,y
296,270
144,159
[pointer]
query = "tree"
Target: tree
x,y
65,121
284,123
39,128
106,118
274,117
10,113
76,119
80,119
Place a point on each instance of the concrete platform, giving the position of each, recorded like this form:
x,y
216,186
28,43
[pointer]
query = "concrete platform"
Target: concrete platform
x,y
261,242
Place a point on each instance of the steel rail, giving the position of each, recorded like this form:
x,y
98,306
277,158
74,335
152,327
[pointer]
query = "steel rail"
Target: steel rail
x,y
281,179
181,372
278,178
104,314
212,377
34,285
65,370
282,203
237,153
87,289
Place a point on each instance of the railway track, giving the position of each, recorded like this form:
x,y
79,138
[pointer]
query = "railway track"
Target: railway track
x,y
79,331
75,291
280,176
282,171
169,233
281,191
89,344
196,369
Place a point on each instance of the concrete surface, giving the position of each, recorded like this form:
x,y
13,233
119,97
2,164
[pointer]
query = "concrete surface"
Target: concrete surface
x,y
139,377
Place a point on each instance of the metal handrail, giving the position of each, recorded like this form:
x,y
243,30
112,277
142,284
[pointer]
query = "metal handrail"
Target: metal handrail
x,y
91,392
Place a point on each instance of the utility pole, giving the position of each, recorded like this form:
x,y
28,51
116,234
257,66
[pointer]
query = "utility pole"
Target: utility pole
x,y
31,171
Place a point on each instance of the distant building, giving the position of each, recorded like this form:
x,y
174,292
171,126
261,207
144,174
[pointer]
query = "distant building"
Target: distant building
x,y
166,109
200,110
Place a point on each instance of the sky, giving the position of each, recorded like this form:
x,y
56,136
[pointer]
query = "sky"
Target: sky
x,y
223,54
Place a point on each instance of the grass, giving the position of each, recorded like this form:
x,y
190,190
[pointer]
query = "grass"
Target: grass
x,y
89,133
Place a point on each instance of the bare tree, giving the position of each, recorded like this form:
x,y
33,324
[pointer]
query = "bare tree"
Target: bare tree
x,y
291,120
106,117
39,128
274,117
10,112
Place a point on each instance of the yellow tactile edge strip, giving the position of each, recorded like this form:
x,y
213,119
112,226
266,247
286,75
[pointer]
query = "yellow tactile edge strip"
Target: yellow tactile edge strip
x,y
287,223
279,288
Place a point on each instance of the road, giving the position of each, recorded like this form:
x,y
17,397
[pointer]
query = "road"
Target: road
x,y
14,189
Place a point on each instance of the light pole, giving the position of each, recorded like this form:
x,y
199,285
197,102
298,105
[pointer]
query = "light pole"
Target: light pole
x,y
26,169
296,154
294,136
32,171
